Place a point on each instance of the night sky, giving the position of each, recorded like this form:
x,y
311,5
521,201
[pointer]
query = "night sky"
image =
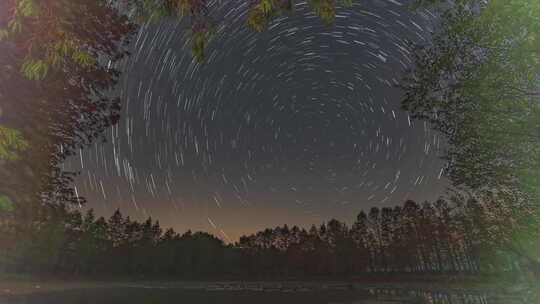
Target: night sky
x,y
297,124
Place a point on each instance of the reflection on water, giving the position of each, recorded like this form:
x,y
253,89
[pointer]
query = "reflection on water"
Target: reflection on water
x,y
449,297
155,295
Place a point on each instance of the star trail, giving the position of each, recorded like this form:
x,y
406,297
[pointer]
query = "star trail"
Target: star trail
x,y
296,124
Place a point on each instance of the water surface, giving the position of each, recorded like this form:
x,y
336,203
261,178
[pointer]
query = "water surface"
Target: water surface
x,y
162,295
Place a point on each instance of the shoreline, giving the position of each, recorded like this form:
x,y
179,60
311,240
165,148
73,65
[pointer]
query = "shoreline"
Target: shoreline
x,y
31,286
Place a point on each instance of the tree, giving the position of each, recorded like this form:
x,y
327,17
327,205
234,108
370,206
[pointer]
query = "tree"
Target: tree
x,y
478,83
166,249
376,240
359,231
386,236
116,229
57,66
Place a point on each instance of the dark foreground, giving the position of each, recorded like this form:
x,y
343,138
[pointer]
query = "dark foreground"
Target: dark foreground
x,y
252,293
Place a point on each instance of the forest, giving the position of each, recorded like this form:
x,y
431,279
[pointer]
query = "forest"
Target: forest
x,y
431,238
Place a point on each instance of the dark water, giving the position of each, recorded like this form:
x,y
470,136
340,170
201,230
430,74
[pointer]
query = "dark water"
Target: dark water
x,y
126,295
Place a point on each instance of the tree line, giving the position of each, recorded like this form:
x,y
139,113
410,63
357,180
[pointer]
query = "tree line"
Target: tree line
x,y
412,238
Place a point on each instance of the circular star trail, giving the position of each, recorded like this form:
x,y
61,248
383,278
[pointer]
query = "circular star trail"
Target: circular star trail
x,y
297,124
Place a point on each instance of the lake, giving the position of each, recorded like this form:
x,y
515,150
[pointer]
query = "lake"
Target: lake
x,y
141,294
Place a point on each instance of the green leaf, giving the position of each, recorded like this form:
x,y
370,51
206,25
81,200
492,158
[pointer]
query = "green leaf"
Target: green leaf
x,y
198,45
62,47
266,6
55,61
255,20
3,34
27,8
10,143
6,204
83,57
15,25
35,69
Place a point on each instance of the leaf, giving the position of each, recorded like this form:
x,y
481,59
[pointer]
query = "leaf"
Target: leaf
x,y
3,34
35,69
255,20
198,44
27,8
10,143
15,25
62,47
266,6
12,138
55,61
83,57
6,204
324,8
183,6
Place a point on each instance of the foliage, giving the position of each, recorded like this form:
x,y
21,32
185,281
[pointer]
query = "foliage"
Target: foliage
x,y
326,9
54,93
263,11
10,143
203,26
478,83
6,204
474,84
199,41
46,47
